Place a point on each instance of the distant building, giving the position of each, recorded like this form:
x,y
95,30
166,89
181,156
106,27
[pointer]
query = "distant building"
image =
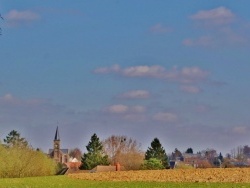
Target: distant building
x,y
196,160
58,154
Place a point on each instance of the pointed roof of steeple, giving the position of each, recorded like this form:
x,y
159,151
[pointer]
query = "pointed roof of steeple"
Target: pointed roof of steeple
x,y
57,137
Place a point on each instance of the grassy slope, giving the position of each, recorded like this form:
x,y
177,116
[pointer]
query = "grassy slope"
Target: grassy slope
x,y
65,182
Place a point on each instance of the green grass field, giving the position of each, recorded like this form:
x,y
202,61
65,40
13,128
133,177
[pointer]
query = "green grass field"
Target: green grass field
x,y
66,182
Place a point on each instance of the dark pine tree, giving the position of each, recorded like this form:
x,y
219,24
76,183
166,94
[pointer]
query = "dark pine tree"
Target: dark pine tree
x,y
189,150
94,155
157,151
14,139
220,157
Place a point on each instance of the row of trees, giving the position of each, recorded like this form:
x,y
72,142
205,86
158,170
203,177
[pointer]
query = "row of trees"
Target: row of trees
x,y
126,151
19,159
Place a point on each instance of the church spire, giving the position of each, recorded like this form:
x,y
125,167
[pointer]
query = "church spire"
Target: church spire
x,y
57,137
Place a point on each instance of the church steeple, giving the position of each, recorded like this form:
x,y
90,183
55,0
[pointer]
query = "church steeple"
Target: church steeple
x,y
57,137
58,154
57,146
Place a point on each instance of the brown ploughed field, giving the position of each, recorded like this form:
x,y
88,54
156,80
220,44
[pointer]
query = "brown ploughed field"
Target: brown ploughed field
x,y
233,175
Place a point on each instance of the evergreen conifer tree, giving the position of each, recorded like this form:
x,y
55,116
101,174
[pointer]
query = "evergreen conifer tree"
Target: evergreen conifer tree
x,y
95,155
189,150
157,151
14,139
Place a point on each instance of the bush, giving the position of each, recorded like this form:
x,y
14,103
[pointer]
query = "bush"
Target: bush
x,y
152,164
182,165
16,162
204,164
131,160
227,164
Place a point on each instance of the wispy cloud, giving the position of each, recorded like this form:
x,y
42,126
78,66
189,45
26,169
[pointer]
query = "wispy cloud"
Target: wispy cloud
x,y
14,109
217,16
9,100
117,109
16,18
190,89
105,70
166,117
135,94
240,130
222,28
159,29
223,36
134,113
183,75
204,41
124,109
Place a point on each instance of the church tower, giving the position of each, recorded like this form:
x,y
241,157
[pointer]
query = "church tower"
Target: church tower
x,y
57,146
58,154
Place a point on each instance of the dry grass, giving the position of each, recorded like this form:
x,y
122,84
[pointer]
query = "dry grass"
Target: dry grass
x,y
232,175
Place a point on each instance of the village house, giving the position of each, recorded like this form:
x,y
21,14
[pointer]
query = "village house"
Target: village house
x,y
195,160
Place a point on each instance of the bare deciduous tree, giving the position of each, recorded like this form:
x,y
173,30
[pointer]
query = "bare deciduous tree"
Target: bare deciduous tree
x,y
124,150
76,153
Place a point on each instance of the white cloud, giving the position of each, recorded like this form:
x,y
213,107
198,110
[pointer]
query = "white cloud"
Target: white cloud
x,y
201,41
190,89
7,97
232,37
165,117
217,16
135,94
134,113
106,70
221,37
9,100
159,29
15,17
117,109
183,75
240,129
144,71
221,29
124,109
192,74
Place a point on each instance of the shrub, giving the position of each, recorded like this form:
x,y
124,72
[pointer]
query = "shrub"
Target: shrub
x,y
227,164
18,162
152,164
182,165
204,164
131,160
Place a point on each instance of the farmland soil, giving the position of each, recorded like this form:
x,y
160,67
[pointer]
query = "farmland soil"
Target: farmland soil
x,y
232,175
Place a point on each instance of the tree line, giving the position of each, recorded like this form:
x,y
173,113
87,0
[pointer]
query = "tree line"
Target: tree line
x,y
126,151
19,159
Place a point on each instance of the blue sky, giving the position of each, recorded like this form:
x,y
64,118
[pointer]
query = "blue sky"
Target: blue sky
x,y
176,70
